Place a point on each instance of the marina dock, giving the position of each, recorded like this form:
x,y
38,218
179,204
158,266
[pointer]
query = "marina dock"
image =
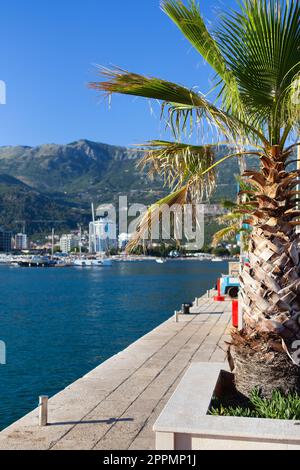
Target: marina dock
x,y
115,405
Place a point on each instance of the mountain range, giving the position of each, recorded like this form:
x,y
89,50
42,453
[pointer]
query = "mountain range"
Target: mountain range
x,y
54,185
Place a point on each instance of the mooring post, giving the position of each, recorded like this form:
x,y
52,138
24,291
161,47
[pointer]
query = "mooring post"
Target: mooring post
x,y
43,410
208,293
176,316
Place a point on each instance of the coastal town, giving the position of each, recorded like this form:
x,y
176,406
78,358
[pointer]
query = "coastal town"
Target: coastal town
x,y
104,238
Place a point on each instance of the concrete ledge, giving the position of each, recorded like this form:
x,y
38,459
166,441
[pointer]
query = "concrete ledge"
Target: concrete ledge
x,y
185,425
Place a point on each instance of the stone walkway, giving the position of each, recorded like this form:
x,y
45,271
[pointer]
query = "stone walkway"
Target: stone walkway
x,y
115,405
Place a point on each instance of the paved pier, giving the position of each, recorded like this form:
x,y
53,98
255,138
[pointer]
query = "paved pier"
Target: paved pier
x,y
115,405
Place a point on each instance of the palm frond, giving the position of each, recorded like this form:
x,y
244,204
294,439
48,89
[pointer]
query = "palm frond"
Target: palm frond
x,y
229,218
236,215
182,164
180,105
227,124
190,22
227,204
261,44
289,107
230,232
127,83
226,233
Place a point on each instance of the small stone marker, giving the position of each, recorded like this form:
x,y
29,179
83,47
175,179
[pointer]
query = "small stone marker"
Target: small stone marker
x,y
43,410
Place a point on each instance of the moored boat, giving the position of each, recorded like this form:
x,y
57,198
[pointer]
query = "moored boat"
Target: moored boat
x,y
102,262
82,262
36,262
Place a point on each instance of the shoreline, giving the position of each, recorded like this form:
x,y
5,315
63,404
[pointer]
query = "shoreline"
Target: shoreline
x,y
10,261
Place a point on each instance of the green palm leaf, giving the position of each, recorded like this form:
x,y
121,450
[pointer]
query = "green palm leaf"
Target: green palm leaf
x,y
121,81
185,164
191,24
182,164
261,45
226,233
183,105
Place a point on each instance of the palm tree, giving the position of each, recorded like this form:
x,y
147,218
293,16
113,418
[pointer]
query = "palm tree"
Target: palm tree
x,y
255,54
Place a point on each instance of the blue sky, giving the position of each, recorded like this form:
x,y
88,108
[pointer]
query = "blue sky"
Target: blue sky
x,y
49,50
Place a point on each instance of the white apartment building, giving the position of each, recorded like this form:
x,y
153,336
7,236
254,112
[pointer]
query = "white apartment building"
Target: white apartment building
x,y
68,242
21,241
102,235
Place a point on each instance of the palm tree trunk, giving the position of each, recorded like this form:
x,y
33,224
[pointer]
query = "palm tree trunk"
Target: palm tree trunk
x,y
271,283
265,351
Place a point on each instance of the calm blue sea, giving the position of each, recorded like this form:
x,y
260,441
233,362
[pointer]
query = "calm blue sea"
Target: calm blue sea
x,y
60,323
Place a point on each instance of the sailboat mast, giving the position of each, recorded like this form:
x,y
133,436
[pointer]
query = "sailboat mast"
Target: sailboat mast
x,y
80,240
52,243
94,228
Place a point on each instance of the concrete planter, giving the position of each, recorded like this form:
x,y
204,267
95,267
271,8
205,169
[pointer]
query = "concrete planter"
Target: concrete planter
x,y
185,425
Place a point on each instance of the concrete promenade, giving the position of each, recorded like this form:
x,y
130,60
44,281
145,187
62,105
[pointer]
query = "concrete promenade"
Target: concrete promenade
x,y
115,405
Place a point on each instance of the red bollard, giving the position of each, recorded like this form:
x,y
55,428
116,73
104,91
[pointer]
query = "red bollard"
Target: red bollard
x,y
219,297
235,313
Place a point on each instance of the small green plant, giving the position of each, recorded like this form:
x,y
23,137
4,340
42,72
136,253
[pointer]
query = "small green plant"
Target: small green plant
x,y
278,407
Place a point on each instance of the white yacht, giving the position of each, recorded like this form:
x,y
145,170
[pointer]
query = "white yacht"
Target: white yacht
x,y
82,262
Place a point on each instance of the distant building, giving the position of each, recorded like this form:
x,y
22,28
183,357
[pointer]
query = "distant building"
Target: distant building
x,y
21,241
102,235
68,242
123,240
5,240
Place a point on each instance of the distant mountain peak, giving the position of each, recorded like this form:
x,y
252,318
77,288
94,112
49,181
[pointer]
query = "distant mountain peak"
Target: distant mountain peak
x,y
56,181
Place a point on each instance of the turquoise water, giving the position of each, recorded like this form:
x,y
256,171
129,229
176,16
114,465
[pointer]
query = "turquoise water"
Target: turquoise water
x,y
60,323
